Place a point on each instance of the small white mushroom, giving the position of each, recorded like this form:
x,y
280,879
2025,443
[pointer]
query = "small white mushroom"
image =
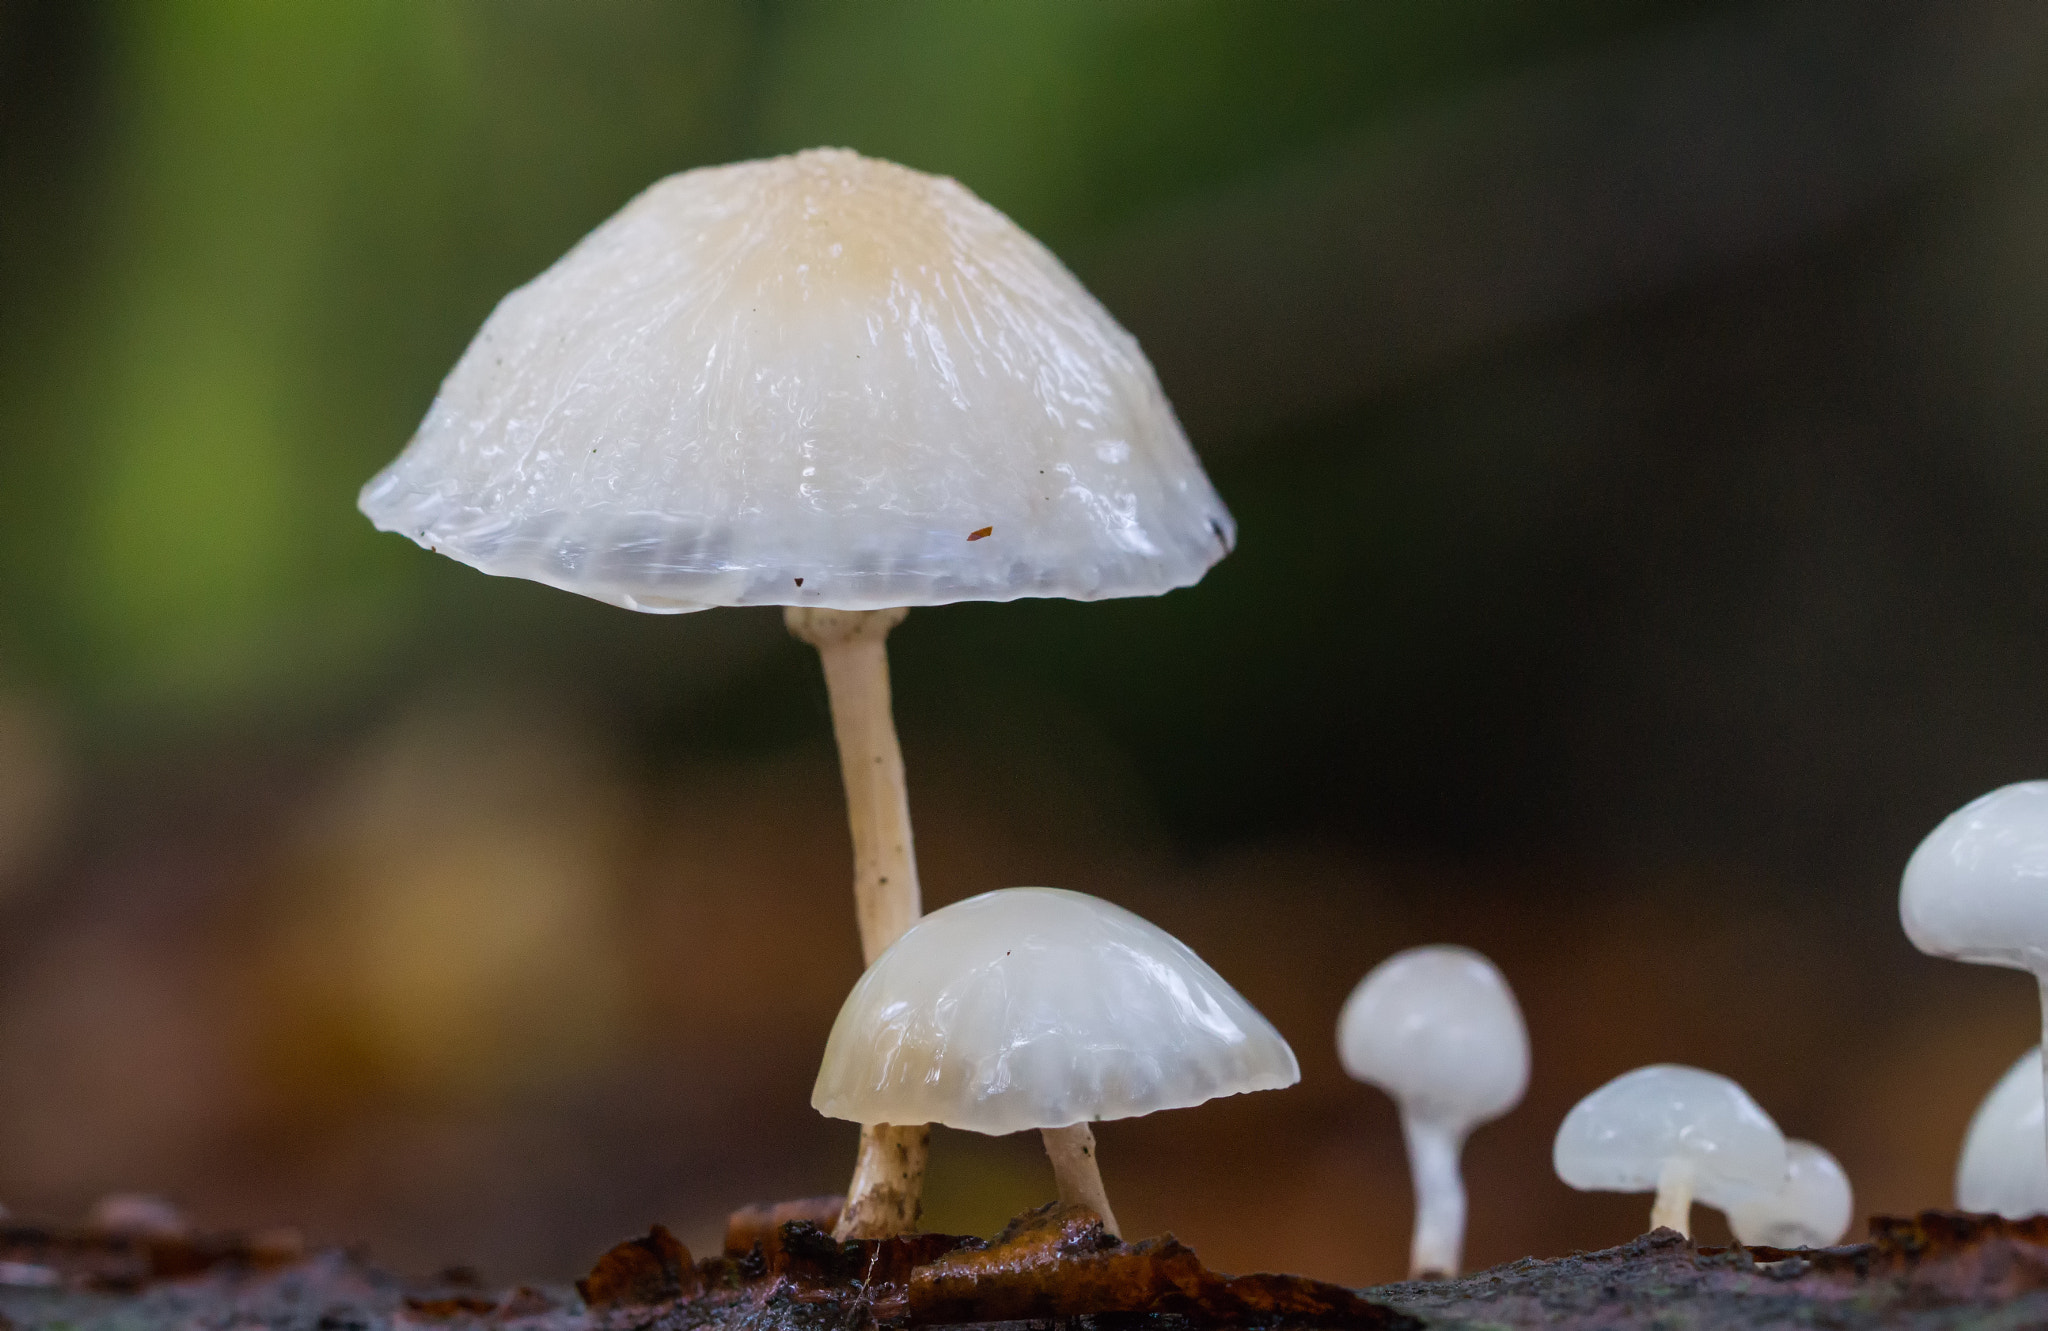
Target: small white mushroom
x,y
1811,1209
828,383
1685,1134
1977,888
2004,1166
1438,1029
1033,1007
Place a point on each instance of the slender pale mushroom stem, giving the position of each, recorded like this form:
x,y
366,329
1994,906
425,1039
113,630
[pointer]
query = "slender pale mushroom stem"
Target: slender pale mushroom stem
x,y
1439,1240
1673,1208
1072,1151
888,1178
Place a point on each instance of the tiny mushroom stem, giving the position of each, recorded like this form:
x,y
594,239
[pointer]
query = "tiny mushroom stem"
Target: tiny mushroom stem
x,y
887,1191
1074,1170
1438,1244
888,1175
1673,1207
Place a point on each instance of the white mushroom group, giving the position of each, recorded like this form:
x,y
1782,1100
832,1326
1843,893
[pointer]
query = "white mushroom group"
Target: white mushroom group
x,y
1681,1133
1811,1208
827,383
1438,1029
1977,888
2004,1165
1036,1008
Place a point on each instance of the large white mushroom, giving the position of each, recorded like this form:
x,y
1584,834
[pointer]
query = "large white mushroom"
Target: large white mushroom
x,y
1977,888
1438,1029
1033,1007
828,383
1681,1133
2004,1165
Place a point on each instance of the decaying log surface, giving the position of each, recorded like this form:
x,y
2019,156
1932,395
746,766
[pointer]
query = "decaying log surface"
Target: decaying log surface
x,y
1052,1268
1938,1270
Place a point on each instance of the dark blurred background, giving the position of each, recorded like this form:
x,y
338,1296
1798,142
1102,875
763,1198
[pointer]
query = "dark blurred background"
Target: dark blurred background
x,y
1633,410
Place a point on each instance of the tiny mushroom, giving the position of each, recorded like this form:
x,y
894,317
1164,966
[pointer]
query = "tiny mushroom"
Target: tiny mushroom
x,y
1977,888
1437,1028
828,383
1034,1007
1685,1134
1811,1209
2004,1166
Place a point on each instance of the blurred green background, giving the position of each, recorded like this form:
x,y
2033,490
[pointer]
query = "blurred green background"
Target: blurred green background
x,y
1633,413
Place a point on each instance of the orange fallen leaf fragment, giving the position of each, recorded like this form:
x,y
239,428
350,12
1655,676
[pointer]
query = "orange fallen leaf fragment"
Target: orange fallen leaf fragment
x,y
977,535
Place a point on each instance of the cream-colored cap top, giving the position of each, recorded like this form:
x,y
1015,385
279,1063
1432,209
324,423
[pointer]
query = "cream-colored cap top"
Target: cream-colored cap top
x,y
821,380
1033,1007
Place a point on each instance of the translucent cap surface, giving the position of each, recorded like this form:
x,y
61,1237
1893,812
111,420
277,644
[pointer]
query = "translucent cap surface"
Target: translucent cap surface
x,y
1811,1209
2004,1168
1618,1138
1038,1008
819,380
1438,1029
1977,888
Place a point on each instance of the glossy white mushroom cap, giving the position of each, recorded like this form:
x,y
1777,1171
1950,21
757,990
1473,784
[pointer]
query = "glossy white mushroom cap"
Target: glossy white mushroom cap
x,y
1619,1138
1438,1029
1977,888
810,380
1811,1208
2004,1168
1034,1007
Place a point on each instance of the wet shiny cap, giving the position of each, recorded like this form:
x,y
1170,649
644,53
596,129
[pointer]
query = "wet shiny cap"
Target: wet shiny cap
x,y
1977,887
2004,1168
1034,1007
1811,1208
1438,1029
1619,1138
820,380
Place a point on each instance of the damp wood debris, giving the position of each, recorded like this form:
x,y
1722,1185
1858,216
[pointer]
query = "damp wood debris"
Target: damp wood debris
x,y
1051,1268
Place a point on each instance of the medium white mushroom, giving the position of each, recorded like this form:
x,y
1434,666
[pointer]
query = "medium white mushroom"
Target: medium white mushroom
x,y
1977,888
1438,1029
828,383
1033,1007
1811,1208
2004,1166
1684,1134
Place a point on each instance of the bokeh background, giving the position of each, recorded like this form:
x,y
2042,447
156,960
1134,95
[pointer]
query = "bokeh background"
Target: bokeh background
x,y
1633,410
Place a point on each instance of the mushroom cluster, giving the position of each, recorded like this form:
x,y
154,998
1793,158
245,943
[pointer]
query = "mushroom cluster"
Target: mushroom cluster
x,y
832,384
847,388
1688,1135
